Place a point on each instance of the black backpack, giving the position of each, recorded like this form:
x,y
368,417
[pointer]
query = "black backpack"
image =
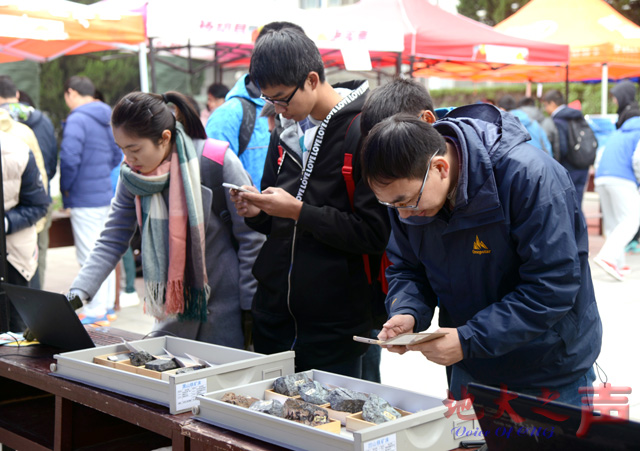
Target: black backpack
x,y
582,143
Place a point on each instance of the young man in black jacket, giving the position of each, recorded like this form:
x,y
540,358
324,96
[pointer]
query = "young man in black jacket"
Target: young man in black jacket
x,y
313,288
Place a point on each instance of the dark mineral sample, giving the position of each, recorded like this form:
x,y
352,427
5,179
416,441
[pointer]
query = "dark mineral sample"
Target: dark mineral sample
x,y
238,400
189,369
305,413
161,365
346,400
288,385
272,407
377,410
314,393
140,358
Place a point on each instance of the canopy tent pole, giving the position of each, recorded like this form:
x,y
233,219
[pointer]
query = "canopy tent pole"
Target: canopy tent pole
x,y
566,84
604,94
152,63
142,65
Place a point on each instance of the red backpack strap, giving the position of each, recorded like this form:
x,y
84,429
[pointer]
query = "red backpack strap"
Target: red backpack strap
x,y
347,173
347,167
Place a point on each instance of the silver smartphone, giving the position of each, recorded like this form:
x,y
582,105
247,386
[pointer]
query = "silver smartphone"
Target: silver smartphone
x,y
237,188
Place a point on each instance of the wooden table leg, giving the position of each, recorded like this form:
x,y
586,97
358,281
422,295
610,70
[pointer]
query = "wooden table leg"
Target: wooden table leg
x,y
63,433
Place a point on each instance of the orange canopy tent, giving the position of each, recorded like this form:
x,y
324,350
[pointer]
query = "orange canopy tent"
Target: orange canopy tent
x,y
45,30
595,32
604,44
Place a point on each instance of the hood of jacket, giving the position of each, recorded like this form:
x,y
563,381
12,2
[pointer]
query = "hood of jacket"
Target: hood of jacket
x,y
492,133
6,121
241,89
289,133
568,113
98,111
19,111
625,94
533,112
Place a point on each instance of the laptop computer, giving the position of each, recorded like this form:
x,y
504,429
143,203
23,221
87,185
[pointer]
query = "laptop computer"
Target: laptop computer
x,y
547,425
50,317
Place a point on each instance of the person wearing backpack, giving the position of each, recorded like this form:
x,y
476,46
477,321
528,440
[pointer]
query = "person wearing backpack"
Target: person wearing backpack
x,y
578,143
616,182
196,258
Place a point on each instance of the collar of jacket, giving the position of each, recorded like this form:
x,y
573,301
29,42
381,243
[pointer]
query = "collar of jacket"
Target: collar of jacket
x,y
491,134
289,136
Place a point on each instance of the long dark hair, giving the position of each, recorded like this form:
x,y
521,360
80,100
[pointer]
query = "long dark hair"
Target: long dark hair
x,y
147,115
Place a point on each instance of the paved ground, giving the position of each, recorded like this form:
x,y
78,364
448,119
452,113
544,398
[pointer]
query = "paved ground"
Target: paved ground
x,y
618,302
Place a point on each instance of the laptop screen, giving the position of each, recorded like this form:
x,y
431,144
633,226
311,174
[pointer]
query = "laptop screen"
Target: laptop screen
x,y
513,421
50,317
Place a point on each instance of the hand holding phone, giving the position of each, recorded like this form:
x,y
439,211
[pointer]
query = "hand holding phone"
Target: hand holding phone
x,y
236,187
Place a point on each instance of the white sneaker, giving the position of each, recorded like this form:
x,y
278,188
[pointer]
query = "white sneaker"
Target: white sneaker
x,y
129,299
609,268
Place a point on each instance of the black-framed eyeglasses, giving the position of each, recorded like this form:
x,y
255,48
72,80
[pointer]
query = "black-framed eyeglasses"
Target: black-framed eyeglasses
x,y
281,103
403,205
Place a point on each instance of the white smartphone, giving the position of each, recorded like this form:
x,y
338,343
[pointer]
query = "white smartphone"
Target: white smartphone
x,y
236,187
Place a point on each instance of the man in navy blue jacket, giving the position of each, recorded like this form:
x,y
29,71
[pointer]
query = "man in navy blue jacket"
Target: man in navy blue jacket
x,y
490,229
88,154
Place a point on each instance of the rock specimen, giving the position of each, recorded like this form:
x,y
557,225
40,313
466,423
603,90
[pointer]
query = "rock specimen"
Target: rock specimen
x,y
189,369
271,407
305,413
346,400
238,400
288,385
140,358
314,393
161,365
377,410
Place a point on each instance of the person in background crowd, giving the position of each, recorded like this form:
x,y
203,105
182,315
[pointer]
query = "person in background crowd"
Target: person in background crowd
x,y
554,105
88,153
624,95
195,278
538,136
25,202
471,233
313,293
528,105
616,181
216,94
21,109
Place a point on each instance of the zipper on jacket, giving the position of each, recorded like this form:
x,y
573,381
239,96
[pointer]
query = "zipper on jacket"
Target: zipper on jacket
x,y
295,322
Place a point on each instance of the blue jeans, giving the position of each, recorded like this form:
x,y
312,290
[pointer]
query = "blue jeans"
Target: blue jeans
x,y
568,393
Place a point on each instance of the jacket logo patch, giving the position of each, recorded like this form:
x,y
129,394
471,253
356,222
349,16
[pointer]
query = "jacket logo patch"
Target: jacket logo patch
x,y
479,247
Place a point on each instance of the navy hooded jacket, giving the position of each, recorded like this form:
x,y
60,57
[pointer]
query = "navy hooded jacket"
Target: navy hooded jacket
x,y
509,263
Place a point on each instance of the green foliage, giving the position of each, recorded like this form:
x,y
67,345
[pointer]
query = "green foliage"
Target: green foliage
x,y
495,11
588,94
112,76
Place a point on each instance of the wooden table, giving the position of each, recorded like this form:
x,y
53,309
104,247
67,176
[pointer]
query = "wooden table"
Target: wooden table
x,y
40,411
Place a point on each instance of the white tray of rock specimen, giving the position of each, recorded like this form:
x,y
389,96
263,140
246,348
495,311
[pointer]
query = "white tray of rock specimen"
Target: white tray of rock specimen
x,y
109,367
421,425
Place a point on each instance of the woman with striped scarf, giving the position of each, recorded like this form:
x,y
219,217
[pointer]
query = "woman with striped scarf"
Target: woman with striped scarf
x,y
196,269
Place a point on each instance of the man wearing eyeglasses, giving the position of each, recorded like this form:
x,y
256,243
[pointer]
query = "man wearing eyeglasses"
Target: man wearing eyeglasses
x,y
490,229
313,290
